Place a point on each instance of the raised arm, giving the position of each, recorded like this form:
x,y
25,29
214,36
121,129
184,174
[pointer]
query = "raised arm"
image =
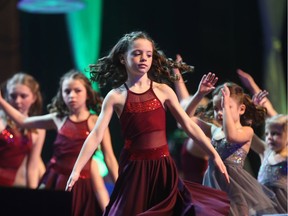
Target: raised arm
x,y
192,129
44,122
180,87
261,99
259,95
248,81
206,85
233,133
258,145
93,139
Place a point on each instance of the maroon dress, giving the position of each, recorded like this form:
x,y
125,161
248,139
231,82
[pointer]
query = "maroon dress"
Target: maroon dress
x,y
193,168
148,182
14,146
66,149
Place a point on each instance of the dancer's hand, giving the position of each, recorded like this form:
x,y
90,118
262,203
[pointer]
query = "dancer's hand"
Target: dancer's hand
x,y
207,83
221,166
225,96
72,180
260,98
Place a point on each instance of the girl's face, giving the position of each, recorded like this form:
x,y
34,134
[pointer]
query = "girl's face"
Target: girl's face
x,y
218,114
20,97
236,110
276,138
74,94
138,59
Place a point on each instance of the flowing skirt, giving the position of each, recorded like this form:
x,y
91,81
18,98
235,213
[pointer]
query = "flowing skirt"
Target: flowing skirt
x,y
149,185
247,195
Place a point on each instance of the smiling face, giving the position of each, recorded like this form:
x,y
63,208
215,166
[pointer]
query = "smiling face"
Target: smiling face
x,y
138,58
74,94
20,97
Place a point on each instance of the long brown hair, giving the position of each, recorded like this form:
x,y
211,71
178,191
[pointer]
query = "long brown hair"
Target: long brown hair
x,y
109,69
93,102
254,114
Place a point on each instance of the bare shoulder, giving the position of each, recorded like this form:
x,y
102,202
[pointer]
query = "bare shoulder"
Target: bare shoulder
x,y
163,88
116,99
246,134
164,92
248,130
92,121
93,118
117,95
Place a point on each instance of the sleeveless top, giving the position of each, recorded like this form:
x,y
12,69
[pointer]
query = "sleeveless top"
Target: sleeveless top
x,y
67,145
247,195
148,173
230,153
141,128
14,146
273,174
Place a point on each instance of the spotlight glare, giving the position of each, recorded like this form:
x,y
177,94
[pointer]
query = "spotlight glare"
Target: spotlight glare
x,y
50,6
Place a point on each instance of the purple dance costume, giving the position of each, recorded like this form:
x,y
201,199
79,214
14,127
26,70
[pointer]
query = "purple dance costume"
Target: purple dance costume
x,y
67,146
247,195
274,176
14,146
148,182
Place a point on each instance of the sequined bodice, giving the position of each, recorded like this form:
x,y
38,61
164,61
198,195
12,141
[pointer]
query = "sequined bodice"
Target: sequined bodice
x,y
229,152
68,144
14,146
70,138
272,174
143,120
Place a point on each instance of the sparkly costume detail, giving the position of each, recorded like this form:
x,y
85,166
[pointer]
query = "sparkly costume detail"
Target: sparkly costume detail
x,y
275,178
148,174
268,174
143,106
66,148
14,146
234,153
247,195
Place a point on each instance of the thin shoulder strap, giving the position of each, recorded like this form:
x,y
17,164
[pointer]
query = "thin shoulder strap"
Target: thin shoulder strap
x,y
151,84
126,86
89,116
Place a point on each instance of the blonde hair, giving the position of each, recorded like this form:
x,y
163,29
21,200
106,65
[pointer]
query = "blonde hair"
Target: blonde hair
x,y
33,85
279,120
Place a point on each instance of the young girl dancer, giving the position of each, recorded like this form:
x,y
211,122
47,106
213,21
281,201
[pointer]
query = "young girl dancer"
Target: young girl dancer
x,y
148,182
20,149
70,115
235,112
274,152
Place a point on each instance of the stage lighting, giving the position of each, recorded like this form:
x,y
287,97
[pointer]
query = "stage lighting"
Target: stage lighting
x,y
50,6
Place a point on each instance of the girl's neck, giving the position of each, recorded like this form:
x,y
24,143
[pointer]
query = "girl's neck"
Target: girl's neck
x,y
283,152
138,83
275,158
137,80
79,116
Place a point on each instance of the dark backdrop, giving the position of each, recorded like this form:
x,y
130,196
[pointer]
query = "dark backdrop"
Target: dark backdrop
x,y
217,36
